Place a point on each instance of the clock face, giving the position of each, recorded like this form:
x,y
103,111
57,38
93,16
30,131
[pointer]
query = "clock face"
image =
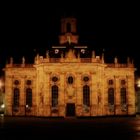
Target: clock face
x,y
83,51
56,51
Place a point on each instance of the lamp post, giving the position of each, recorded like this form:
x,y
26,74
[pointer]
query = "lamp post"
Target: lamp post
x,y
26,108
138,83
2,105
138,96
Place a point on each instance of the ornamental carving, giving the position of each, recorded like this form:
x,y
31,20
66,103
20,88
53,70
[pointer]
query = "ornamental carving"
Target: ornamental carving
x,y
70,91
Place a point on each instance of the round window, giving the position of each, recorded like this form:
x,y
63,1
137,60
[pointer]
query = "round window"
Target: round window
x,y
16,82
86,79
28,82
54,79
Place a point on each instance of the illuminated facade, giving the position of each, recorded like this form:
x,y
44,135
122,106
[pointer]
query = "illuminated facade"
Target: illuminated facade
x,y
69,84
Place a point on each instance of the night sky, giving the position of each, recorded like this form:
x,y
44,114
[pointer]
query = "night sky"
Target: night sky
x,y
31,28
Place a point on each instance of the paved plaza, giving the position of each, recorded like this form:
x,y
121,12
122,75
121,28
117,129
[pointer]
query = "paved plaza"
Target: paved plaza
x,y
126,128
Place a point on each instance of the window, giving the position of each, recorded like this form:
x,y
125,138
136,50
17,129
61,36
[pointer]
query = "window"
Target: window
x,y
54,96
16,97
70,80
123,96
29,97
86,95
16,82
28,82
111,96
54,79
68,27
123,82
110,82
86,79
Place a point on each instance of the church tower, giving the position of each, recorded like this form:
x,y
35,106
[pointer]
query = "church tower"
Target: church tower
x,y
68,31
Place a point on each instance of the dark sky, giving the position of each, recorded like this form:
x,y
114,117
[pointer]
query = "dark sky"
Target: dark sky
x,y
28,28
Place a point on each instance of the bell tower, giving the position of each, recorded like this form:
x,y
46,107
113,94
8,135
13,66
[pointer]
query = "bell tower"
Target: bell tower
x,y
68,31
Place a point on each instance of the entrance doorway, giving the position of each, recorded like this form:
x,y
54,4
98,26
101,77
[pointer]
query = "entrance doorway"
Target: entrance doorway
x,y
70,110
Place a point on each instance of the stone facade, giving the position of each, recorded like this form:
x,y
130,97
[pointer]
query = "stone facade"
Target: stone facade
x,y
69,85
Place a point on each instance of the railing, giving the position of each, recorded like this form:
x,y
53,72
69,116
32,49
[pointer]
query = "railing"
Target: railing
x,y
120,65
83,60
86,60
54,60
20,65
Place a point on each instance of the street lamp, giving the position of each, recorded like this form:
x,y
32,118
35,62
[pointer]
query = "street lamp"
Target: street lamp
x,y
138,83
2,105
137,95
1,84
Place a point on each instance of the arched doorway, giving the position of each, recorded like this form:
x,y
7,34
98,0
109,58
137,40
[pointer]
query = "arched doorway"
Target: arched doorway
x,y
70,110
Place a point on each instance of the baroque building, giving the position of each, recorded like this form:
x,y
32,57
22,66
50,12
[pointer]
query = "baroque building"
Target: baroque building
x,y
69,83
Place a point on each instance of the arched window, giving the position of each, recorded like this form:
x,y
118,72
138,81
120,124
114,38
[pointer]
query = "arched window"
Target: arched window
x,y
86,95
70,80
110,82
28,82
29,97
54,96
16,97
123,82
123,95
68,27
16,82
111,96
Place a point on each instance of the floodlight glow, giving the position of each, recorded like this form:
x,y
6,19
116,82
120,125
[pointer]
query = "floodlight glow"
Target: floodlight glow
x,y
138,83
3,106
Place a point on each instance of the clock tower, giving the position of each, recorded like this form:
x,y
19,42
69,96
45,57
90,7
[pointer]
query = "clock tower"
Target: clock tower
x,y
68,31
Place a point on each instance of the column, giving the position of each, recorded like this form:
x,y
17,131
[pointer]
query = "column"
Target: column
x,y
47,95
131,95
8,95
93,93
79,94
22,100
117,95
61,99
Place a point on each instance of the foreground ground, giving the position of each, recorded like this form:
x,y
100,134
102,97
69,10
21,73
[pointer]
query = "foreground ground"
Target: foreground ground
x,y
126,128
